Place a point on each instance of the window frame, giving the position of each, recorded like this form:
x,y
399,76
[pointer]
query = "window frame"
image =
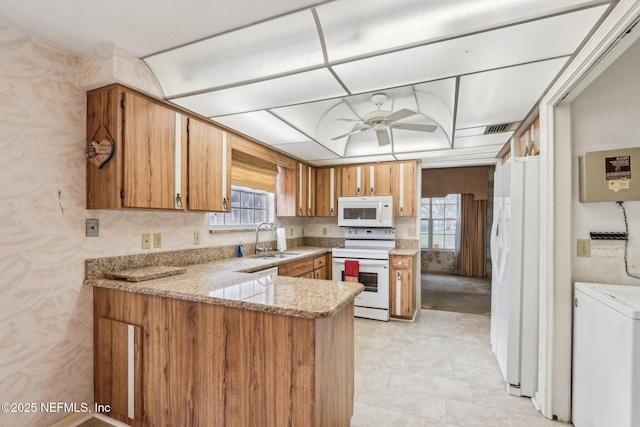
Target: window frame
x,y
269,210
430,219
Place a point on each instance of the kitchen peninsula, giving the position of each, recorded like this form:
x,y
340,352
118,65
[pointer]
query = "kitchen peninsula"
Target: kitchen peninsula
x,y
220,345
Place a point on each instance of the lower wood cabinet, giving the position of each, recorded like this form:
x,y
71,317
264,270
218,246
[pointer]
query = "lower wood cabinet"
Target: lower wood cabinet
x,y
198,364
118,382
312,268
402,287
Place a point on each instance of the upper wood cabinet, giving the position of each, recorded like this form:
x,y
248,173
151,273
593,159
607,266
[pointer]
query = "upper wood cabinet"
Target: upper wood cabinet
x,y
306,190
404,182
147,169
209,168
286,194
296,190
366,180
163,158
353,180
328,185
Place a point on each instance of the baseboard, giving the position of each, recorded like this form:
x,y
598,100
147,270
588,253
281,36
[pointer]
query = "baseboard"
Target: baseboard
x,y
75,420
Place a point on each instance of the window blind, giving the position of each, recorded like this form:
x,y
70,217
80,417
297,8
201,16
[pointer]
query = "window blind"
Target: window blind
x,y
252,172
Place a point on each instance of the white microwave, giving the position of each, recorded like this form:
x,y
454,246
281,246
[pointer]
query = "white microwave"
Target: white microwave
x,y
373,211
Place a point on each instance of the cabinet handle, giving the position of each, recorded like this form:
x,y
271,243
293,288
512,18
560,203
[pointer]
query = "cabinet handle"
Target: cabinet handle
x,y
331,212
398,277
317,274
308,211
358,191
371,191
300,210
401,211
178,200
224,203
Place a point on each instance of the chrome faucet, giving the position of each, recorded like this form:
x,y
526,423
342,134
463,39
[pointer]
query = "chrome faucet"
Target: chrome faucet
x,y
273,230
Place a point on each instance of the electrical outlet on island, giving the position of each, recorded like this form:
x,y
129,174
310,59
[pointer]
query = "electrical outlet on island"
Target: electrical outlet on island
x,y
196,237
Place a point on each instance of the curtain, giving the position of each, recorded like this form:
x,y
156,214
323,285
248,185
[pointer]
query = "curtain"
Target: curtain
x,y
471,254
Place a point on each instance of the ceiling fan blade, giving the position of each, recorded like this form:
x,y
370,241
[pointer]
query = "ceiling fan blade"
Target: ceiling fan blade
x,y
347,120
383,137
399,115
358,128
412,126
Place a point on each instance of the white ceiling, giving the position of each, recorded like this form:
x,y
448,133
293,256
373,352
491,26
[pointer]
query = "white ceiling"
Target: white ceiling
x,y
283,71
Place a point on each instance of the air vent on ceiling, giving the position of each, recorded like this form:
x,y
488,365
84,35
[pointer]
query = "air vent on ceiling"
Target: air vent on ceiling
x,y
505,127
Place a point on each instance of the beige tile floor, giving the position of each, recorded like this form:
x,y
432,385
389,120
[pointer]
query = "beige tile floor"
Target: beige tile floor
x,y
436,372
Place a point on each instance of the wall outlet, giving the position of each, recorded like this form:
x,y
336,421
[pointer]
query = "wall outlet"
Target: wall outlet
x,y
146,241
291,232
324,231
412,232
157,240
196,237
584,248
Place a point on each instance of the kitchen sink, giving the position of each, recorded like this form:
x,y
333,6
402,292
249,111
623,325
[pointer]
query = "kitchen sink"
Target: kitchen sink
x,y
280,255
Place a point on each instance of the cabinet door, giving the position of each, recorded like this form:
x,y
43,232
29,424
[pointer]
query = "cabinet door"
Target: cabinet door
x,y
297,268
118,370
306,190
149,144
380,179
404,183
286,192
402,287
209,170
327,191
351,181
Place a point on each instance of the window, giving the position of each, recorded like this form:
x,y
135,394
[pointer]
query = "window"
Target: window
x,y
438,217
248,207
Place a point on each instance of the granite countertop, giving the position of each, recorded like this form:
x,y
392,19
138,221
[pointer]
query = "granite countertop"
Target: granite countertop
x,y
232,282
405,252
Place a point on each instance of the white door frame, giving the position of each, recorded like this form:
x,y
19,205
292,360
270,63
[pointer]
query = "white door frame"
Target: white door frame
x,y
556,289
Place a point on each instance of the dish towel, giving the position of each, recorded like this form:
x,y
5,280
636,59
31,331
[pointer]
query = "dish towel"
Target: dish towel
x,y
351,270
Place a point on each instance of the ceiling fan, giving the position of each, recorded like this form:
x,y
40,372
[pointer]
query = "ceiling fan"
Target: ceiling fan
x,y
379,120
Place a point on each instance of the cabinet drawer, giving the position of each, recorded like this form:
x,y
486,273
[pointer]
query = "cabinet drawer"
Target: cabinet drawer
x,y
296,268
400,262
319,262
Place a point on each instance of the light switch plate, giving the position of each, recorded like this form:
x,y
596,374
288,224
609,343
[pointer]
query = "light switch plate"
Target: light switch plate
x,y
196,237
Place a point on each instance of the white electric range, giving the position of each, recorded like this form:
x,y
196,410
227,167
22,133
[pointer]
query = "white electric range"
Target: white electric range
x,y
370,247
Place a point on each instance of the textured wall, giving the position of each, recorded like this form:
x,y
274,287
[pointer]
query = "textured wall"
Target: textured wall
x,y
437,261
46,350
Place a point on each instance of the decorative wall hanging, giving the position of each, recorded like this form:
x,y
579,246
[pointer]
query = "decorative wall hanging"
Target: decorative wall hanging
x,y
99,153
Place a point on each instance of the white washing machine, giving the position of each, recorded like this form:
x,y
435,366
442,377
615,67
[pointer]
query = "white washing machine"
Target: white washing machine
x,y
606,355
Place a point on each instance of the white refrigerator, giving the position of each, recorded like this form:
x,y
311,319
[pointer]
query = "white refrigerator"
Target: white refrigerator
x,y
514,277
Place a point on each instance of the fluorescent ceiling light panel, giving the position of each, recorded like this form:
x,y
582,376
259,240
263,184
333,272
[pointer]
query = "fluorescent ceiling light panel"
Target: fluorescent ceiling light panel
x,y
505,95
309,151
263,127
428,163
410,141
483,140
365,144
352,160
294,89
490,150
360,27
461,133
283,45
507,46
307,117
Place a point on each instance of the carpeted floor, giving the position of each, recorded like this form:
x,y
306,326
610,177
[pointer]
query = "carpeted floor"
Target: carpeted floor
x,y
456,293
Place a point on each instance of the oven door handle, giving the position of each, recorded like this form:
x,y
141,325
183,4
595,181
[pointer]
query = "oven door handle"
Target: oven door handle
x,y
365,263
